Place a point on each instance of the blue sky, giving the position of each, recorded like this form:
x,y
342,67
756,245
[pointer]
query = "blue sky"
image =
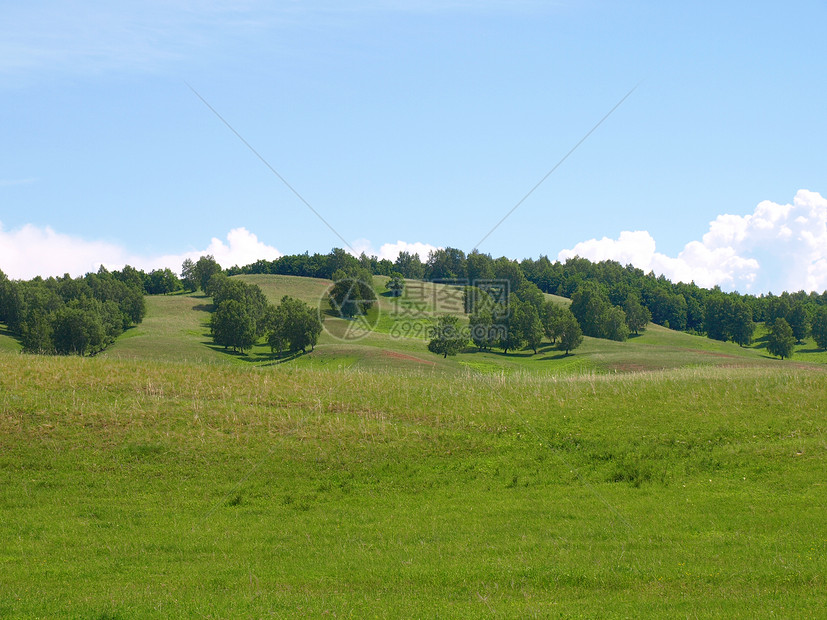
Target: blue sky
x,y
417,122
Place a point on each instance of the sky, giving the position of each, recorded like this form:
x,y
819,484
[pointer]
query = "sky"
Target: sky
x,y
684,138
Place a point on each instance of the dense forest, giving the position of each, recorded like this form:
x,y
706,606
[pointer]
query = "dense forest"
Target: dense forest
x,y
72,315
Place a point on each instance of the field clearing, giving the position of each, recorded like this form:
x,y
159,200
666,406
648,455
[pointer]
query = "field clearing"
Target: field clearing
x,y
144,488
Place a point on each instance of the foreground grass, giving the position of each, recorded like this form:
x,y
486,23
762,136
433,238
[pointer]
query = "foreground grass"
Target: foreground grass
x,y
145,488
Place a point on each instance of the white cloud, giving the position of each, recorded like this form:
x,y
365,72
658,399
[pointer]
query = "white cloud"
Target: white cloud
x,y
31,251
391,251
748,253
242,248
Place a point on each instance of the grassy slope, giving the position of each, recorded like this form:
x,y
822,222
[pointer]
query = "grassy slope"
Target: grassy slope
x,y
654,349
7,341
175,328
136,488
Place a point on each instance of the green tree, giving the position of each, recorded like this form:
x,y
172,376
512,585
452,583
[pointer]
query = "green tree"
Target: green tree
x,y
637,315
351,294
205,268
589,305
478,267
571,336
819,327
76,331
799,322
36,334
189,275
484,333
396,284
613,324
527,322
409,265
511,335
740,323
447,337
551,317
781,340
232,326
300,324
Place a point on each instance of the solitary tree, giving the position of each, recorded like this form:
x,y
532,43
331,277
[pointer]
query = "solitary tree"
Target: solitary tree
x,y
396,285
781,339
447,337
351,294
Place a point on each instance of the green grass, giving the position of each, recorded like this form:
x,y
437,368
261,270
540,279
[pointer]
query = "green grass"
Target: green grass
x,y
146,488
7,341
176,328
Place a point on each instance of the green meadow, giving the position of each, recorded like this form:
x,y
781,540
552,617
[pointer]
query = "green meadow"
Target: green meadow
x,y
668,476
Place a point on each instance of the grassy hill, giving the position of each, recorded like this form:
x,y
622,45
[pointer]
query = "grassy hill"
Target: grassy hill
x,y
133,488
176,328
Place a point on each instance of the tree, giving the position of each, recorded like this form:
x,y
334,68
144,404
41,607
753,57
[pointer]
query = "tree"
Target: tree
x,y
551,318
740,323
206,268
819,327
162,282
351,295
396,284
478,267
527,322
297,325
484,333
781,340
77,331
588,305
189,275
232,326
799,322
613,324
445,264
447,337
716,317
637,316
571,336
410,266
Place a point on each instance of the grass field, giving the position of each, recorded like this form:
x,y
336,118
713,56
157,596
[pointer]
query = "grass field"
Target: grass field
x,y
670,475
146,488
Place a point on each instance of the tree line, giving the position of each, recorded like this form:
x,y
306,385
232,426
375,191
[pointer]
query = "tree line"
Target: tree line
x,y
68,315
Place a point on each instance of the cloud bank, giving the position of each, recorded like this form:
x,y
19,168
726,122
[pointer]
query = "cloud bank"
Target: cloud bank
x,y
32,251
391,251
777,247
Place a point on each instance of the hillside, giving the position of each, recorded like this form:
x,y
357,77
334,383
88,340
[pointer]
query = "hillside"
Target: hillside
x,y
176,328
